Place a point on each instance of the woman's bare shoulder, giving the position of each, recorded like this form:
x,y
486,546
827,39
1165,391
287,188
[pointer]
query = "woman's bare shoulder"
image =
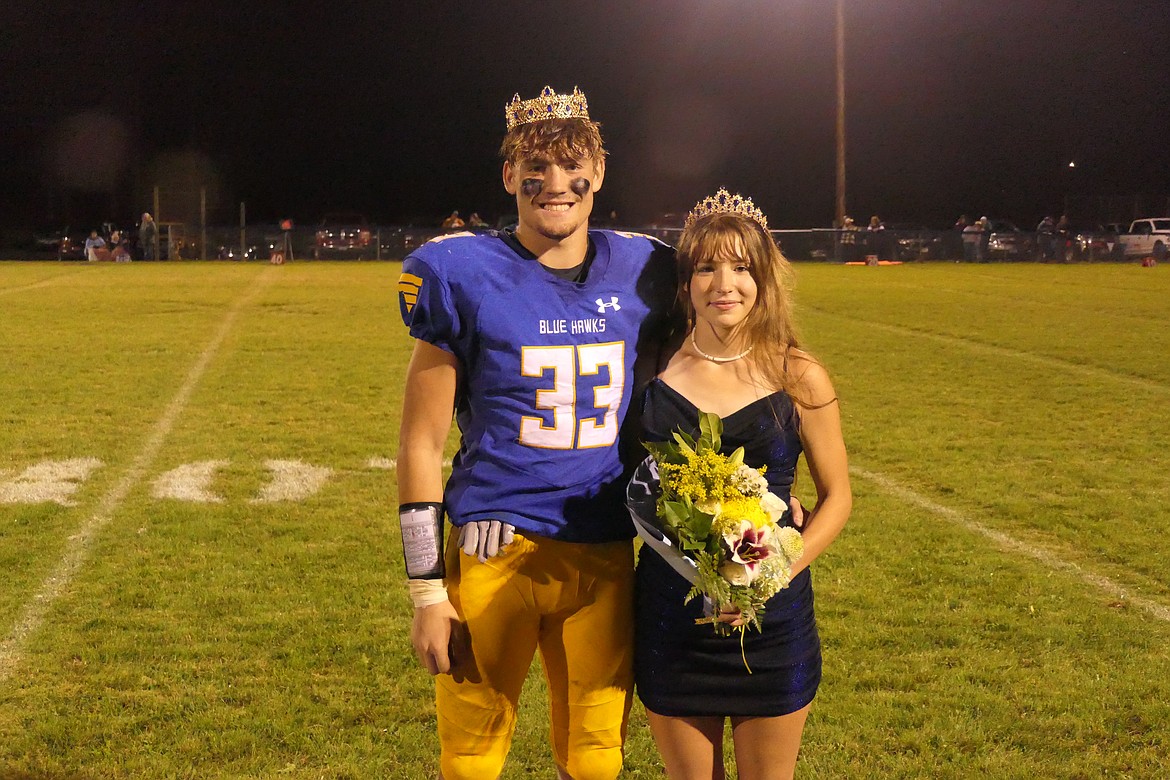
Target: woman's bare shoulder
x,y
812,378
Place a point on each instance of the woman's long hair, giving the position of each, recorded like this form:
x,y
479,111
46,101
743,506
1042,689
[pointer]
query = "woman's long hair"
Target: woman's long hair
x,y
768,328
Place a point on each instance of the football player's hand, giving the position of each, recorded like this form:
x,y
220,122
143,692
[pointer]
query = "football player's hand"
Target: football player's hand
x,y
485,538
437,636
798,516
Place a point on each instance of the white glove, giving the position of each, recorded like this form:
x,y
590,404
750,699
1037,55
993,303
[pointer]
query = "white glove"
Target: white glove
x,y
485,538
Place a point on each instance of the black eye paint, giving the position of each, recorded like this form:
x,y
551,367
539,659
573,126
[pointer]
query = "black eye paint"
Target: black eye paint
x,y
580,186
530,188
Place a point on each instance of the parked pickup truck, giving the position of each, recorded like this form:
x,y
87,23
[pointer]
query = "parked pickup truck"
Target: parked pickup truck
x,y
1146,237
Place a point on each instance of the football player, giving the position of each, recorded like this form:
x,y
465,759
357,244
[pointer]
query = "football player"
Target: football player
x,y
530,338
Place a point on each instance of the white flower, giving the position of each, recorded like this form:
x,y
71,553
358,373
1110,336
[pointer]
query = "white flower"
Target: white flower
x,y
791,543
749,481
771,503
747,547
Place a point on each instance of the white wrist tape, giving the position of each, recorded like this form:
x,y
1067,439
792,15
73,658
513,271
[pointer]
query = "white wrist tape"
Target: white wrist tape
x,y
422,539
424,593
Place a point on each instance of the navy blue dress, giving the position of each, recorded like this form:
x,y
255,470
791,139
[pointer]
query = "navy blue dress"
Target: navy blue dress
x,y
684,669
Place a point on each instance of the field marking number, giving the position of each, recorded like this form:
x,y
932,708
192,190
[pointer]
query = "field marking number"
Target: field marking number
x,y
56,481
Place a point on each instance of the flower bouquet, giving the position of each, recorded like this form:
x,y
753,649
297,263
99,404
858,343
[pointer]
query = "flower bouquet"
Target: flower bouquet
x,y
712,518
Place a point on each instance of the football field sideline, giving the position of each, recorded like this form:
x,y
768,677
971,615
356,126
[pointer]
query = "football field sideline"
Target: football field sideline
x,y
975,345
1010,544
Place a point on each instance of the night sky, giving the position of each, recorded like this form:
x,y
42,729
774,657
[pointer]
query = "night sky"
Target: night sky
x,y
395,110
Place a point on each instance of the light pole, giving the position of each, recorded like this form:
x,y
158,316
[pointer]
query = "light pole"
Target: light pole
x,y
840,216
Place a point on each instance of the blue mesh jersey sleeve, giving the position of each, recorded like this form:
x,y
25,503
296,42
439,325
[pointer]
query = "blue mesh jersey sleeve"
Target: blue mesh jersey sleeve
x,y
426,305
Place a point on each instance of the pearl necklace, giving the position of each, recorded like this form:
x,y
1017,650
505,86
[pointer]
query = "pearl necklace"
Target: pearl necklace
x,y
715,359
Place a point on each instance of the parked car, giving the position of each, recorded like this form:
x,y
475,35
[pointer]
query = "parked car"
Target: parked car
x,y
343,234
1092,242
1145,237
1008,242
63,242
915,242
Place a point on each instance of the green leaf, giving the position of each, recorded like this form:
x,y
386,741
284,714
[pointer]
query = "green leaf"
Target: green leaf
x,y
736,457
698,524
665,452
715,546
710,429
675,514
685,441
661,451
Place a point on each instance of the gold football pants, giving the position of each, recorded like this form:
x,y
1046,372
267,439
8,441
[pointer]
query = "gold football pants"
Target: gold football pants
x,y
575,603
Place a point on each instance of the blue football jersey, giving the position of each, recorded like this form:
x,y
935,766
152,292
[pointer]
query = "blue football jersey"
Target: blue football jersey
x,y
546,369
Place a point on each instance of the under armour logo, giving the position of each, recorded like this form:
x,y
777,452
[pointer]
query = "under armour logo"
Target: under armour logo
x,y
613,304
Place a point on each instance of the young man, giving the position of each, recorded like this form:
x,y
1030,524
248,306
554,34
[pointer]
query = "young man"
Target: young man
x,y
531,338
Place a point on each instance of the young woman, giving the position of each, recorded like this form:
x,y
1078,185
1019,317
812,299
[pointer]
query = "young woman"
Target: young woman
x,y
740,360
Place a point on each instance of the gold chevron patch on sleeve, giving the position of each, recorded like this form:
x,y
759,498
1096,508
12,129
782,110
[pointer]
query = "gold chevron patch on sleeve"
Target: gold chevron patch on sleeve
x,y
408,288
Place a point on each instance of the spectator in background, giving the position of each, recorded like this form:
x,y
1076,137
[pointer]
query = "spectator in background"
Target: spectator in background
x,y
1064,236
984,239
848,236
955,240
118,248
972,238
475,221
453,222
1046,238
148,237
876,237
95,248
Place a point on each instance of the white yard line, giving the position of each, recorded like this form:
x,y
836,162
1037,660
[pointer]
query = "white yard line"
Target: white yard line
x,y
1094,372
78,545
1011,544
52,280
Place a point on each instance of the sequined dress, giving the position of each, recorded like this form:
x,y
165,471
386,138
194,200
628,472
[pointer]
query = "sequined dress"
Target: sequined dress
x,y
684,669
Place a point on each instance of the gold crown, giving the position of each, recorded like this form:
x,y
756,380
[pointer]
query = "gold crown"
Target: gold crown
x,y
549,105
723,202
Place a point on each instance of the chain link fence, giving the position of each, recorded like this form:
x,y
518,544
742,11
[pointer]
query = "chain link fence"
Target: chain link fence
x,y
1005,242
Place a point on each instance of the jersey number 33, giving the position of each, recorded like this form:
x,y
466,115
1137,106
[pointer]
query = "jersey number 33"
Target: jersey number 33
x,y
574,369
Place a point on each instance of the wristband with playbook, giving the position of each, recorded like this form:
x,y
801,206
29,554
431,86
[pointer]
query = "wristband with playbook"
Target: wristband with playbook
x,y
422,539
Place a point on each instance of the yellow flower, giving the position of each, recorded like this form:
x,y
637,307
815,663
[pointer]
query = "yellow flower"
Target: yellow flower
x,y
706,477
736,511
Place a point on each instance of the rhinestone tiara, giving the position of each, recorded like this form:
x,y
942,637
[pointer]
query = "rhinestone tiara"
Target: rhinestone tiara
x,y
723,202
549,105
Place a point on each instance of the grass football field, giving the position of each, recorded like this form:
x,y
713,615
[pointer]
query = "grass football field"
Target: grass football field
x,y
200,573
